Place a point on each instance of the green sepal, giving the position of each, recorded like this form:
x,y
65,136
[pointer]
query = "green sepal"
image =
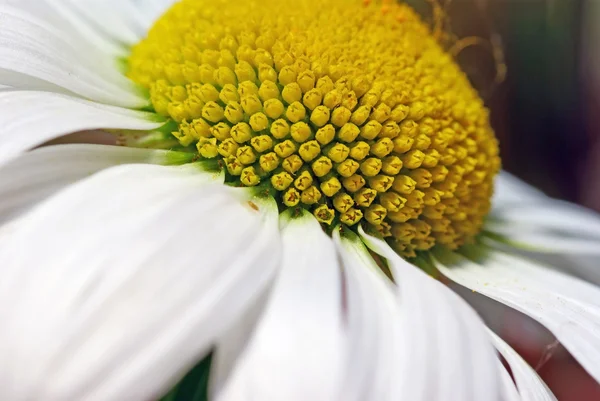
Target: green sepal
x,y
194,386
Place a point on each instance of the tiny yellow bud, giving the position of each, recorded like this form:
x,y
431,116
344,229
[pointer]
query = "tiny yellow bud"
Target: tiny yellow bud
x,y
291,197
287,75
273,108
351,217
234,167
261,143
206,73
381,113
343,202
382,147
353,183
439,173
392,201
201,128
341,116
376,214
320,116
401,216
292,163
360,115
399,113
324,214
241,132
221,131
303,181
403,184
409,127
269,162
251,104
347,168
228,148
259,122
208,93
422,176
310,196
306,80
312,99
392,165
309,150
295,112
300,132
285,148
234,113
185,135
331,186
246,155
332,99
249,177
244,71
291,93
280,129
325,134
348,133
325,84
224,76
212,112
178,111
266,73
365,196
381,183
322,166
268,90
413,159
207,147
338,152
281,181
247,88
403,144
359,150
390,130
371,167
370,130
415,199
404,231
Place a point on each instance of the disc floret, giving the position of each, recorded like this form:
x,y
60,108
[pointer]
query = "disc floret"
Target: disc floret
x,y
347,108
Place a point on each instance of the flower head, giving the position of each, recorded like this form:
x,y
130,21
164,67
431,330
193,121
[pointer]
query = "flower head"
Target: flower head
x,y
293,178
351,110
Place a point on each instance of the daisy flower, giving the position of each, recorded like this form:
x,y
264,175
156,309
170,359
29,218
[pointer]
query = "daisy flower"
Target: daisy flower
x,y
295,183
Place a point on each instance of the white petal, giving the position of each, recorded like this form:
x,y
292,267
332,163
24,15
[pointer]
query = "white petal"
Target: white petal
x,y
531,386
568,307
509,389
116,286
297,348
374,331
40,173
550,226
508,189
30,47
29,119
63,17
439,340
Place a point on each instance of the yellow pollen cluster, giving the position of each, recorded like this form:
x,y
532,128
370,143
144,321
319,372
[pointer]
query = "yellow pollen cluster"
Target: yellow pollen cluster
x,y
348,108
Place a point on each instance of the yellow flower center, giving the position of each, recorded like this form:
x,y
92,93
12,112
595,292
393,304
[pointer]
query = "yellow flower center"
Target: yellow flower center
x,y
348,108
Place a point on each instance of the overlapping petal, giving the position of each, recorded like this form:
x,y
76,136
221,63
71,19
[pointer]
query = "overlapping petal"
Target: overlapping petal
x,y
298,347
113,294
567,306
31,118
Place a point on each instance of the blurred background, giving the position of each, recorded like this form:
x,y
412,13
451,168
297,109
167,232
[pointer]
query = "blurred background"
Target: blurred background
x,y
546,114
